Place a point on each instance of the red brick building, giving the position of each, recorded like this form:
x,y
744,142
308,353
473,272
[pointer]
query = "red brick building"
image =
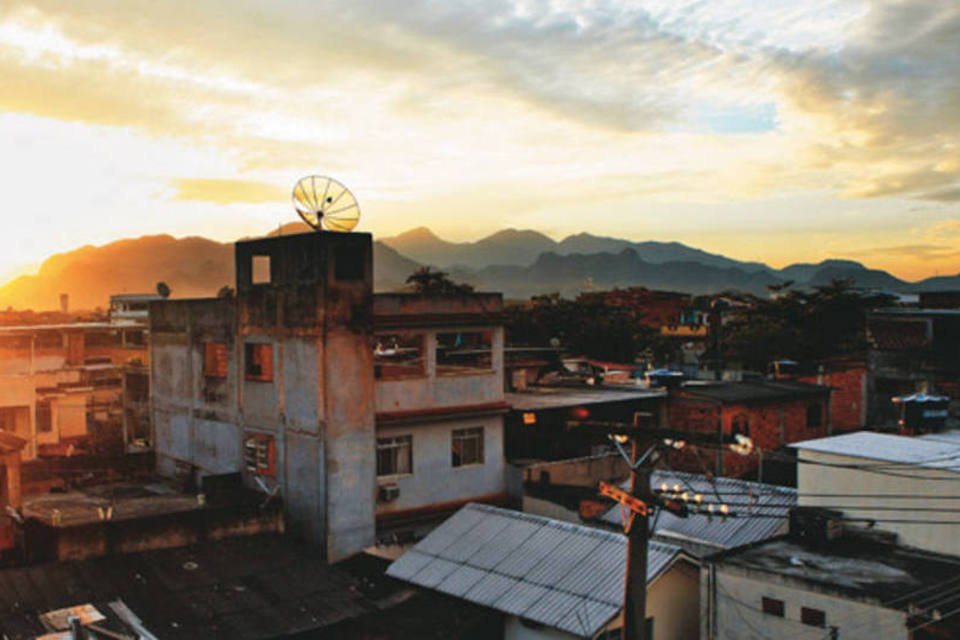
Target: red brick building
x,y
773,413
847,379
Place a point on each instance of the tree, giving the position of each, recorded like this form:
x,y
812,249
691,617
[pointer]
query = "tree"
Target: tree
x,y
426,280
163,289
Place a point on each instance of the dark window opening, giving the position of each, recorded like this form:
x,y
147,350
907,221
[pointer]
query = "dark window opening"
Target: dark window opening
x,y
464,352
813,617
394,456
398,356
215,360
467,447
348,263
258,362
260,270
44,417
773,607
814,415
740,425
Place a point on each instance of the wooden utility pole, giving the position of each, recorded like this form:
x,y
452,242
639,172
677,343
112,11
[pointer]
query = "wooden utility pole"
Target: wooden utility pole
x,y
635,588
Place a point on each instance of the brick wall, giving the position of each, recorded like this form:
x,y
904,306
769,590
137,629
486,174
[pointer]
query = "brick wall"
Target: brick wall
x,y
771,426
847,399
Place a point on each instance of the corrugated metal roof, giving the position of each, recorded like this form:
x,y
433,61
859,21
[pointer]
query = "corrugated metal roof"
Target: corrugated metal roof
x,y
930,453
541,398
562,575
699,531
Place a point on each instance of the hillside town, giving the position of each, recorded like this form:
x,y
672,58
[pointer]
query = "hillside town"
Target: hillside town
x,y
301,456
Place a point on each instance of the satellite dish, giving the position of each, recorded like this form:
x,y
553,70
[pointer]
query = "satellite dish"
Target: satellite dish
x,y
324,203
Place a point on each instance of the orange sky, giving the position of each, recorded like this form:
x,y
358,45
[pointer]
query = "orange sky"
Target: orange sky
x,y
779,132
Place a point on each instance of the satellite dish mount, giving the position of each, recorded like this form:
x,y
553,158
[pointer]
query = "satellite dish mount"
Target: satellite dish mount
x,y
325,204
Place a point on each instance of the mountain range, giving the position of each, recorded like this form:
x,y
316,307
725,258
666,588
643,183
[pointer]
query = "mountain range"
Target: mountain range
x,y
520,263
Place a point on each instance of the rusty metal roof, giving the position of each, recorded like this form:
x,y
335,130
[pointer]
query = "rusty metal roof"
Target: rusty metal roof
x,y
562,575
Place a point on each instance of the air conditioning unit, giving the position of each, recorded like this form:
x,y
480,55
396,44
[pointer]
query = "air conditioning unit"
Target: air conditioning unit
x,y
389,492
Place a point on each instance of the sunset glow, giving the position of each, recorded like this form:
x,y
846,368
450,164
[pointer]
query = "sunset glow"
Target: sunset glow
x,y
778,132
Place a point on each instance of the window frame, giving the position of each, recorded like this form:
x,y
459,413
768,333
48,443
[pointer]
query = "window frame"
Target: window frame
x,y
459,436
210,371
396,444
813,617
421,371
249,349
819,421
445,368
773,607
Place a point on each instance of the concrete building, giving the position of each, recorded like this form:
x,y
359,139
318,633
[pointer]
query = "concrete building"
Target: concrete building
x,y
61,385
550,579
854,587
899,483
357,409
911,350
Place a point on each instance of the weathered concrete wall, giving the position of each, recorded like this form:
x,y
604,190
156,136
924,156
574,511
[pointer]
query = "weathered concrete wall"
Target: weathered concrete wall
x,y
928,488
446,390
434,479
739,613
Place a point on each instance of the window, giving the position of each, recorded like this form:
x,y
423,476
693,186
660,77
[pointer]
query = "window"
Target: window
x,y
813,617
814,415
259,362
260,270
398,356
464,352
740,425
259,455
44,417
348,263
773,607
215,360
394,456
467,447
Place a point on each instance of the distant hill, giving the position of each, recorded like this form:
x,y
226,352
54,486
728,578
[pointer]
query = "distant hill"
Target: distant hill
x,y
193,267
518,263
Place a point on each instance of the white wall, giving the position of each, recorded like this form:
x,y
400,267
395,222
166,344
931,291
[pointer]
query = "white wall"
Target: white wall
x,y
910,480
739,613
434,479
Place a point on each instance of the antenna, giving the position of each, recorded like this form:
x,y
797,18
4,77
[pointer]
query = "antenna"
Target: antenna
x,y
325,204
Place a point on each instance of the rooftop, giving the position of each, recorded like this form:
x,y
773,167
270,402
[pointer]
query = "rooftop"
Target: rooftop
x,y
938,451
751,390
698,533
854,568
540,398
561,575
129,500
258,587
907,311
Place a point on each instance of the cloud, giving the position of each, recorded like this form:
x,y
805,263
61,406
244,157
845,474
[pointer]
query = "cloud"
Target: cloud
x,y
225,191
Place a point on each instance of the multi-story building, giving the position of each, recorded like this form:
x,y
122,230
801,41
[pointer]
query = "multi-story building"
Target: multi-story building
x,y
910,350
61,385
361,411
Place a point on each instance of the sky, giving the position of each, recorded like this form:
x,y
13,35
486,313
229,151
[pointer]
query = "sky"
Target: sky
x,y
774,131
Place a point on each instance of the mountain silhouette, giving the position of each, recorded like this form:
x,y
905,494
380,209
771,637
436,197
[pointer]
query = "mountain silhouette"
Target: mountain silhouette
x,y
520,263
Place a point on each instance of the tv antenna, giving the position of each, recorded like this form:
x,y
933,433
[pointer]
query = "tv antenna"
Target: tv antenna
x,y
324,203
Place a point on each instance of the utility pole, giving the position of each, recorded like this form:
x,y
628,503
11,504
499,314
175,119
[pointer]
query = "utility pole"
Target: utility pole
x,y
640,501
635,587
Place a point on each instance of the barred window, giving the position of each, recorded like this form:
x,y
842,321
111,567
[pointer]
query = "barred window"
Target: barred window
x,y
467,447
394,456
44,417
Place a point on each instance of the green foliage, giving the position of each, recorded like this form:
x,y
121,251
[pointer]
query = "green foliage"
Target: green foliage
x,y
585,326
426,280
806,326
